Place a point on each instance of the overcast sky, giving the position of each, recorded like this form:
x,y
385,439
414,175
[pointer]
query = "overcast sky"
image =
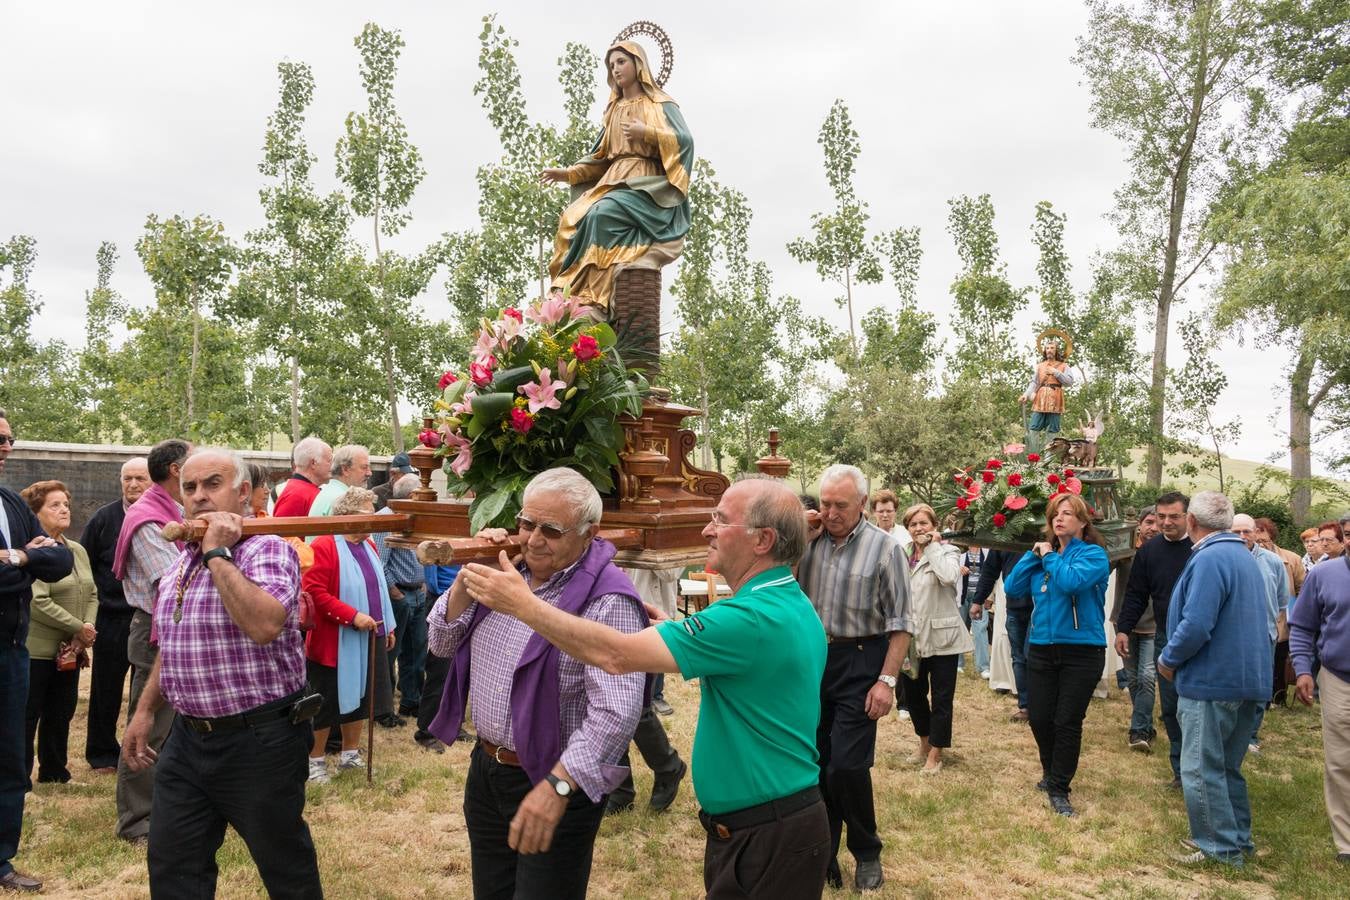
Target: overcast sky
x,y
116,110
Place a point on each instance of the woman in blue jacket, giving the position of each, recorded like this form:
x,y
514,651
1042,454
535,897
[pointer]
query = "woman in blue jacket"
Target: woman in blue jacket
x,y
1065,576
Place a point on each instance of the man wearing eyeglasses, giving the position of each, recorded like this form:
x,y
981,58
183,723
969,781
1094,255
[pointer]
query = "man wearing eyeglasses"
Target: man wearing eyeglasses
x,y
551,729
758,655
27,554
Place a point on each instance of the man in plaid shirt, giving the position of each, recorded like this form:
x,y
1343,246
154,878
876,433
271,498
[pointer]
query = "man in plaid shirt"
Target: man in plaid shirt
x,y
231,664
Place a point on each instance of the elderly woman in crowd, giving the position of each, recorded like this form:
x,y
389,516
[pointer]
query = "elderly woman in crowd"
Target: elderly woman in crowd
x,y
940,635
1065,575
350,600
262,490
62,612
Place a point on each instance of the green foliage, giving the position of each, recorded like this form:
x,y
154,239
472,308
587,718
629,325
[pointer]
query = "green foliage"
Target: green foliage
x,y
838,247
1195,391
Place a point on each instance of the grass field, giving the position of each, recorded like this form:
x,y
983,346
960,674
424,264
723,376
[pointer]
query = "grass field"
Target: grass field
x,y
979,829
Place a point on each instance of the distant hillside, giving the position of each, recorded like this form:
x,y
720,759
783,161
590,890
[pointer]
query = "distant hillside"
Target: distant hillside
x,y
1241,470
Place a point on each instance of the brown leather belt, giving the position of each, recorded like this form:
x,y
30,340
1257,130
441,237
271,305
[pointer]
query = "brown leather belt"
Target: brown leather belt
x,y
499,754
836,639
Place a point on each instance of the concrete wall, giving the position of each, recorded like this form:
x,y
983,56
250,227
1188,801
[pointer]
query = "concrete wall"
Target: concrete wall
x,y
92,471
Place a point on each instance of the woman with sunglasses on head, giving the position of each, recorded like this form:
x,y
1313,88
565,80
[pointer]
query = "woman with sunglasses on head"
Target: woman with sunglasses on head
x,y
1065,576
351,599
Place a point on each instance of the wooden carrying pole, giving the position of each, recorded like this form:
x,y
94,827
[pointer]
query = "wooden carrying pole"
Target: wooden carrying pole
x,y
370,710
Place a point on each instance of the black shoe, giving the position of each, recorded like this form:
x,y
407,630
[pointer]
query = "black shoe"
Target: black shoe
x,y
613,807
833,877
665,789
465,736
428,742
1043,785
1139,741
1061,805
1175,783
661,707
1343,858
390,721
409,711
868,876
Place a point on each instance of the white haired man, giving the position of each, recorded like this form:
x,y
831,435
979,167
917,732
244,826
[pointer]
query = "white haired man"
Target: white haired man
x,y
350,468
231,664
856,577
312,461
551,729
759,655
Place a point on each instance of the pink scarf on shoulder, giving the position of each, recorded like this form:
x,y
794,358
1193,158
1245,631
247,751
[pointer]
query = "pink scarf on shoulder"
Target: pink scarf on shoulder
x,y
155,507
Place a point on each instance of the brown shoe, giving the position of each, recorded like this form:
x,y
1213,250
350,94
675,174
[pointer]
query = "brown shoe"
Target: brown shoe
x,y
1019,716
15,880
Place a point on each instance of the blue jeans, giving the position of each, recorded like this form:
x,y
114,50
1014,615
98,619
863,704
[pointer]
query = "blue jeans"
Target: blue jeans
x,y
1167,703
13,771
411,649
1143,677
1019,632
1214,740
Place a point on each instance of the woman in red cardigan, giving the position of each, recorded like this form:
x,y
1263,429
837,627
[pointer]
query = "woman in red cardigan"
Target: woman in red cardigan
x,y
350,599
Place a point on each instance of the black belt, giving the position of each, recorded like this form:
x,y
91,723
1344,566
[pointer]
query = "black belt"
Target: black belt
x,y
260,715
417,586
866,639
723,825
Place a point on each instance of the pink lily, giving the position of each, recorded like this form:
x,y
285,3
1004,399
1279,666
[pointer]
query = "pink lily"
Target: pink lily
x,y
549,311
464,458
464,406
541,394
508,328
487,342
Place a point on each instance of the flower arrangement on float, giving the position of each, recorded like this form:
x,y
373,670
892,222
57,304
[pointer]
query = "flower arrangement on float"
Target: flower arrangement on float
x,y
1006,495
545,387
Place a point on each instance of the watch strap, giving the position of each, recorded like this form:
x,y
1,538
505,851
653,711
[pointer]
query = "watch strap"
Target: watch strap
x,y
217,553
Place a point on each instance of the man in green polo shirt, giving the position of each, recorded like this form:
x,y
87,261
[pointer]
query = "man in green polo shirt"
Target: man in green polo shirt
x,y
760,655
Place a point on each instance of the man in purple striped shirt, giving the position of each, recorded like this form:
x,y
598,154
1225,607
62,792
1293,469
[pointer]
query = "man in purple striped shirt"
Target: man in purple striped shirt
x,y
231,664
550,729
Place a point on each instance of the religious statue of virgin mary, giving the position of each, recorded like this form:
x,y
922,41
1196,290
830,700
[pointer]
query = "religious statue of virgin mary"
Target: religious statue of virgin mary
x,y
630,194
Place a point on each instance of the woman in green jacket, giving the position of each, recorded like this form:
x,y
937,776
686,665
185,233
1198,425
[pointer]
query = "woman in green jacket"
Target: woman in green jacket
x,y
62,611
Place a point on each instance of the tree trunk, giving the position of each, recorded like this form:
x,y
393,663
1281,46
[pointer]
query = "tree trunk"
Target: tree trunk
x,y
192,366
1157,391
295,361
389,379
848,299
706,454
1300,437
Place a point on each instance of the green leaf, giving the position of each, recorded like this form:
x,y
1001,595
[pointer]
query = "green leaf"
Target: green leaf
x,y
488,410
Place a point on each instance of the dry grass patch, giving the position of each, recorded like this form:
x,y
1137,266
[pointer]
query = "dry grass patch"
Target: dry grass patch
x,y
979,829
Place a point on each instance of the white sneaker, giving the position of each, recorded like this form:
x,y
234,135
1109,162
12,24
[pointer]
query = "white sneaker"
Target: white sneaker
x,y
352,761
984,673
318,771
1253,747
903,714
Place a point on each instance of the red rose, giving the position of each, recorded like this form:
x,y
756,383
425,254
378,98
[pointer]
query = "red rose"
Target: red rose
x,y
1000,520
521,420
480,374
967,482
1068,473
446,380
1053,479
429,437
987,477
513,313
1015,479
1033,457
585,347
994,464
957,478
962,503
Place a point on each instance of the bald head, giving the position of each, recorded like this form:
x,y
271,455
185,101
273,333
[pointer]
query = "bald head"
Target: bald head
x,y
135,479
769,503
1244,526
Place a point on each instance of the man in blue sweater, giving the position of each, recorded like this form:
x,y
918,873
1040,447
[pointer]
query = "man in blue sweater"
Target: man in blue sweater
x,y
1319,629
1218,653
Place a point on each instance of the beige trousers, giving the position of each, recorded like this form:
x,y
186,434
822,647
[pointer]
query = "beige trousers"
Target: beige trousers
x,y
1335,698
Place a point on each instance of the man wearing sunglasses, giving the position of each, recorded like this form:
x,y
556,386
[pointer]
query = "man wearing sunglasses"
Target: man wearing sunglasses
x,y
551,728
760,656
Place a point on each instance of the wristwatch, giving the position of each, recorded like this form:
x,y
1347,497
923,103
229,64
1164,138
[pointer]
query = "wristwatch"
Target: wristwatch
x,y
218,553
888,680
561,786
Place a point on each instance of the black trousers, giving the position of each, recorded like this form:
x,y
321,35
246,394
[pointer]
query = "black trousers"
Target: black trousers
x,y
438,668
492,794
1060,681
780,860
1280,683
252,779
846,740
938,674
107,686
51,706
654,745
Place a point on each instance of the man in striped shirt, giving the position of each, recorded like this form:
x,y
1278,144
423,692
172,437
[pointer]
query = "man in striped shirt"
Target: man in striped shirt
x,y
855,575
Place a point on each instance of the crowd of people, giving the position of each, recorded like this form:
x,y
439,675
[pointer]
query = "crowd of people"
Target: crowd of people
x,y
253,659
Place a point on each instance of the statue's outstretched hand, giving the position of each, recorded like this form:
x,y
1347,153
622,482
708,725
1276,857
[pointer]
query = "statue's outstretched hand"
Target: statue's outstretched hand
x,y
552,176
